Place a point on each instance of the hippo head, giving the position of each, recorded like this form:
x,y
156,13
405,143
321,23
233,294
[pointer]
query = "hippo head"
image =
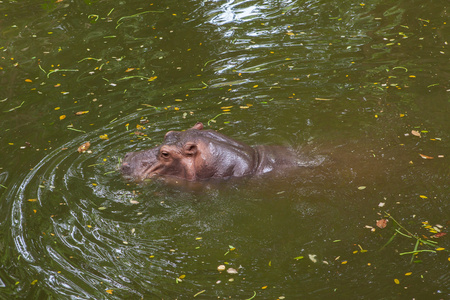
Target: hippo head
x,y
194,154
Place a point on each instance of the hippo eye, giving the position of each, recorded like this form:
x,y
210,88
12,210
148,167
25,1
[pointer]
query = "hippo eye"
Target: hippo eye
x,y
165,154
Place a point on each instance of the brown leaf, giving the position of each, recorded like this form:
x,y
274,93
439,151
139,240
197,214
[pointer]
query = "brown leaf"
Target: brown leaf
x,y
382,223
415,132
425,156
84,147
437,235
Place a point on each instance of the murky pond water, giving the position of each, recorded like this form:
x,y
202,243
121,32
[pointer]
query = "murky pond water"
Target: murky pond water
x,y
362,85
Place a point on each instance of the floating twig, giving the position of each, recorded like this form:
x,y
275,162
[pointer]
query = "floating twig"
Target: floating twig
x,y
213,119
135,15
61,70
14,108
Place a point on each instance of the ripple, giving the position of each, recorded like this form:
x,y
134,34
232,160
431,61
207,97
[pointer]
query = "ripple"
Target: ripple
x,y
72,213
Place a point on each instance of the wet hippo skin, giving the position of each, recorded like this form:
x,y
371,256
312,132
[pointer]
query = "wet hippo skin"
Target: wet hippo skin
x,y
197,154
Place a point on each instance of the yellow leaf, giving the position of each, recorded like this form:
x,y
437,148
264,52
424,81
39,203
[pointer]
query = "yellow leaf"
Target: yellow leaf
x,y
129,69
152,78
57,108
423,197
344,262
104,137
62,117
34,282
109,291
407,274
32,200
396,281
440,249
28,80
81,112
182,276
264,287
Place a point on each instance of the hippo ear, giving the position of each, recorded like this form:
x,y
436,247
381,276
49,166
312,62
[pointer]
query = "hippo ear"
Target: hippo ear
x,y
198,126
190,149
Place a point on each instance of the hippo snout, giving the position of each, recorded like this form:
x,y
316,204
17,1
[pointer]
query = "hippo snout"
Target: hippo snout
x,y
125,168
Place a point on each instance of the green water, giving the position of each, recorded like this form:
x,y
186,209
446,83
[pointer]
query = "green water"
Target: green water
x,y
351,83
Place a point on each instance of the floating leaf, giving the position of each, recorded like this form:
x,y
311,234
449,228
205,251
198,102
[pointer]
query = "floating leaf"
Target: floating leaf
x,y
298,257
109,291
152,78
104,137
232,271
361,187
62,117
313,257
425,156
221,268
415,132
84,147
382,223
437,235
423,197
408,274
81,113
396,281
28,80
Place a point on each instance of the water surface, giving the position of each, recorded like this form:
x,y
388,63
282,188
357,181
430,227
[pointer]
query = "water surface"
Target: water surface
x,y
363,85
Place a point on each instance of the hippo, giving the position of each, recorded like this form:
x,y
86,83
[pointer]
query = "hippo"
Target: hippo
x,y
197,154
